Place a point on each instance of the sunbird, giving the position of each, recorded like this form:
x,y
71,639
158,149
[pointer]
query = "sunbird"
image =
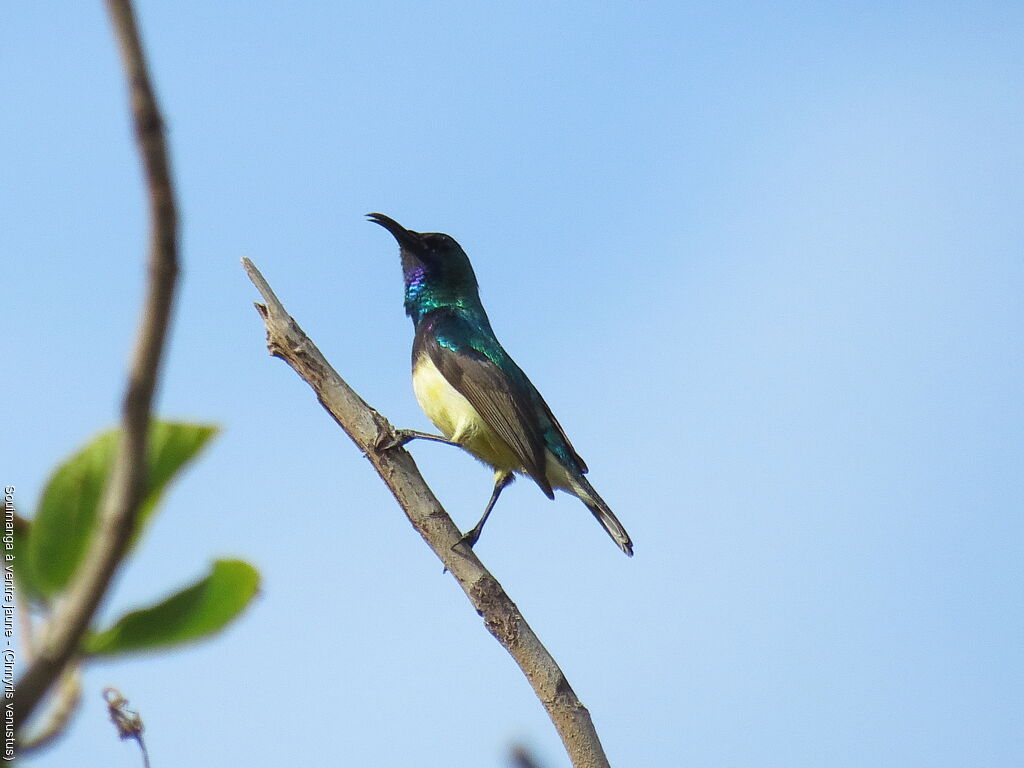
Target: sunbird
x,y
472,390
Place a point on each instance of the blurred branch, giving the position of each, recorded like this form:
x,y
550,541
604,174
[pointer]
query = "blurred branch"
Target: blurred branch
x,y
523,758
65,702
123,493
368,429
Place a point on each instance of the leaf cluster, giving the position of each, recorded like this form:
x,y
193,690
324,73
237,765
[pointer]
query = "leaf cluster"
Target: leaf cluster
x,y
49,548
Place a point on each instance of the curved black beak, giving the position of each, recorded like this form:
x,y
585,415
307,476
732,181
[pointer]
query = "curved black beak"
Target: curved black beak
x,y
405,237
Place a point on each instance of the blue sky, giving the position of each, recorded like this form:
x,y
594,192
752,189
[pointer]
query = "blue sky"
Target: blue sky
x,y
765,264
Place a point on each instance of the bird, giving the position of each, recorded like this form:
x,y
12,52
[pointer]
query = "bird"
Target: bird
x,y
473,391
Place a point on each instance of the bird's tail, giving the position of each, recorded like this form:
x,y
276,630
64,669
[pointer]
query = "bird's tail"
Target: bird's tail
x,y
604,515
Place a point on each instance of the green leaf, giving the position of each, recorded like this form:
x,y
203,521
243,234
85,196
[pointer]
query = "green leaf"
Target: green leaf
x,y
67,514
196,612
69,508
171,446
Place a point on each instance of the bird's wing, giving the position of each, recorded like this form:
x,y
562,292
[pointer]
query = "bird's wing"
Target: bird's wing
x,y
474,363
582,465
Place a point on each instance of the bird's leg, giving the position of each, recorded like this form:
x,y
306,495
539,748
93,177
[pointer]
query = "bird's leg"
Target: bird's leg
x,y
405,435
388,442
501,479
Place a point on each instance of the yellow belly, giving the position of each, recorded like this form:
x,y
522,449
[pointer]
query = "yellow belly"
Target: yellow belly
x,y
457,419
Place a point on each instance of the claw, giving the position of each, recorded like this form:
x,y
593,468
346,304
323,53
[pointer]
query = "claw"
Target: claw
x,y
390,439
386,441
469,539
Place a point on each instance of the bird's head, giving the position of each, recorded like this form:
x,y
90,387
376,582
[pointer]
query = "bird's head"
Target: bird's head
x,y
437,271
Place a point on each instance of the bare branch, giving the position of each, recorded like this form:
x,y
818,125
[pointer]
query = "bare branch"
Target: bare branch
x,y
122,496
397,469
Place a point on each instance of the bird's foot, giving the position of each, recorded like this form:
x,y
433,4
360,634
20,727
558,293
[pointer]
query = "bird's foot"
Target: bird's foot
x,y
389,439
469,539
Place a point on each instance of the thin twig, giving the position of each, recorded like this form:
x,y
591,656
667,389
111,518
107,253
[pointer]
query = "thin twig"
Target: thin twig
x,y
128,722
127,480
368,429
